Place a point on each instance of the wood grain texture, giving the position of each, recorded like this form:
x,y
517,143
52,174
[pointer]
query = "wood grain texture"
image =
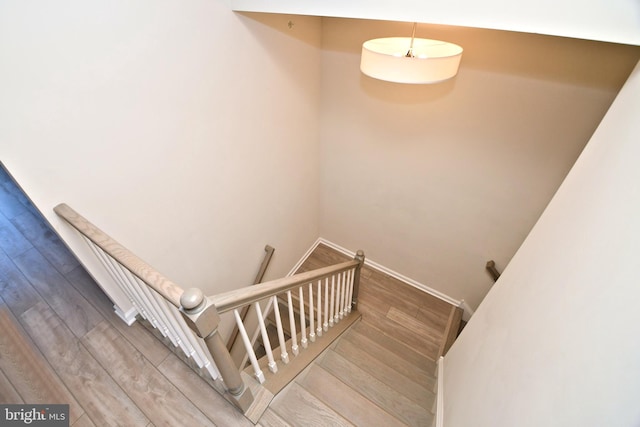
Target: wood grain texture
x,y
346,401
65,300
11,239
286,373
397,330
15,289
200,393
27,370
399,349
46,241
381,295
414,325
156,396
240,297
261,398
301,408
380,368
393,354
146,343
103,400
84,421
382,395
10,205
8,393
271,419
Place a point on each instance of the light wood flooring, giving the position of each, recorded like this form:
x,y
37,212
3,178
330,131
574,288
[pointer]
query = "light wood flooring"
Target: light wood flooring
x,y
61,342
378,373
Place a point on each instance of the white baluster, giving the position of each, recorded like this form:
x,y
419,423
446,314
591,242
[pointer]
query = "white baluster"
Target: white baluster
x,y
154,307
345,303
99,253
352,274
283,347
303,325
325,326
319,310
292,325
108,264
273,367
150,316
336,317
343,291
312,331
187,336
333,289
247,345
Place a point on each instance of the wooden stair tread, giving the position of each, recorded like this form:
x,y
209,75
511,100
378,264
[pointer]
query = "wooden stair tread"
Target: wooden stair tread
x,y
379,365
401,350
287,372
346,401
299,407
382,395
425,347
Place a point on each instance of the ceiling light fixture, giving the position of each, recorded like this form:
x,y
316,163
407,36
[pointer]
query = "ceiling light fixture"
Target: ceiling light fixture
x,y
410,59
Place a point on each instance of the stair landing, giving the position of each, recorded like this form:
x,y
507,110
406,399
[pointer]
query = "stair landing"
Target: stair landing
x,y
382,370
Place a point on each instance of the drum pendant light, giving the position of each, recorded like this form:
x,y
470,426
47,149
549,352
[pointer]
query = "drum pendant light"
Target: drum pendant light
x,y
410,59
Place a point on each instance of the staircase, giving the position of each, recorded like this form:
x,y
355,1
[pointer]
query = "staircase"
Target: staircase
x,y
379,372
363,351
365,379
376,371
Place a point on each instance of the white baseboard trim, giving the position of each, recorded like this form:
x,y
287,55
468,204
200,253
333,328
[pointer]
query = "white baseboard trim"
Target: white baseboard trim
x,y
440,394
128,317
396,275
305,256
467,310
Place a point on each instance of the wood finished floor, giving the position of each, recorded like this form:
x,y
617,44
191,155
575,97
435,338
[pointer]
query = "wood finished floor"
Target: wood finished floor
x,y
61,342
378,373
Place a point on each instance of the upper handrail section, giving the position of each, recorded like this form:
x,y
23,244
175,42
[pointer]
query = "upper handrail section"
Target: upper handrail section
x,y
172,292
165,287
240,297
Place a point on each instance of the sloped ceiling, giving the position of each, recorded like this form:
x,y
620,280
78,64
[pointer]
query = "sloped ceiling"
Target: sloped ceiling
x,y
616,21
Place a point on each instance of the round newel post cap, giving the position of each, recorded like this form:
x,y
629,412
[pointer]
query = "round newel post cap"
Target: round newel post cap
x,y
360,253
191,299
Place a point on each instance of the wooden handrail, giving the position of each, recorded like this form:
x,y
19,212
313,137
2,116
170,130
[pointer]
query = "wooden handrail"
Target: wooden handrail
x,y
165,287
200,313
240,297
265,263
243,314
493,271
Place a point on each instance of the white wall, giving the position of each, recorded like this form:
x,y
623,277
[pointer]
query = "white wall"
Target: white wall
x,y
555,343
186,131
605,20
434,180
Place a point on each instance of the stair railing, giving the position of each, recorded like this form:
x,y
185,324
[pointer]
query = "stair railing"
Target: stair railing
x,y
269,250
492,270
178,313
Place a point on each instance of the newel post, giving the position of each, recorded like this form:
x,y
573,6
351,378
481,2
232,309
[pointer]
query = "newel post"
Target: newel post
x,y
356,278
202,317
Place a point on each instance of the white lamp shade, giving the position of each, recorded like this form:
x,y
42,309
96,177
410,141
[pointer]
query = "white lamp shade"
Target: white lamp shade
x,y
433,61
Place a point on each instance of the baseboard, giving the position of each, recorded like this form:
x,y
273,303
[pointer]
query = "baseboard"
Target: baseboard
x,y
440,394
467,310
305,256
128,317
462,304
